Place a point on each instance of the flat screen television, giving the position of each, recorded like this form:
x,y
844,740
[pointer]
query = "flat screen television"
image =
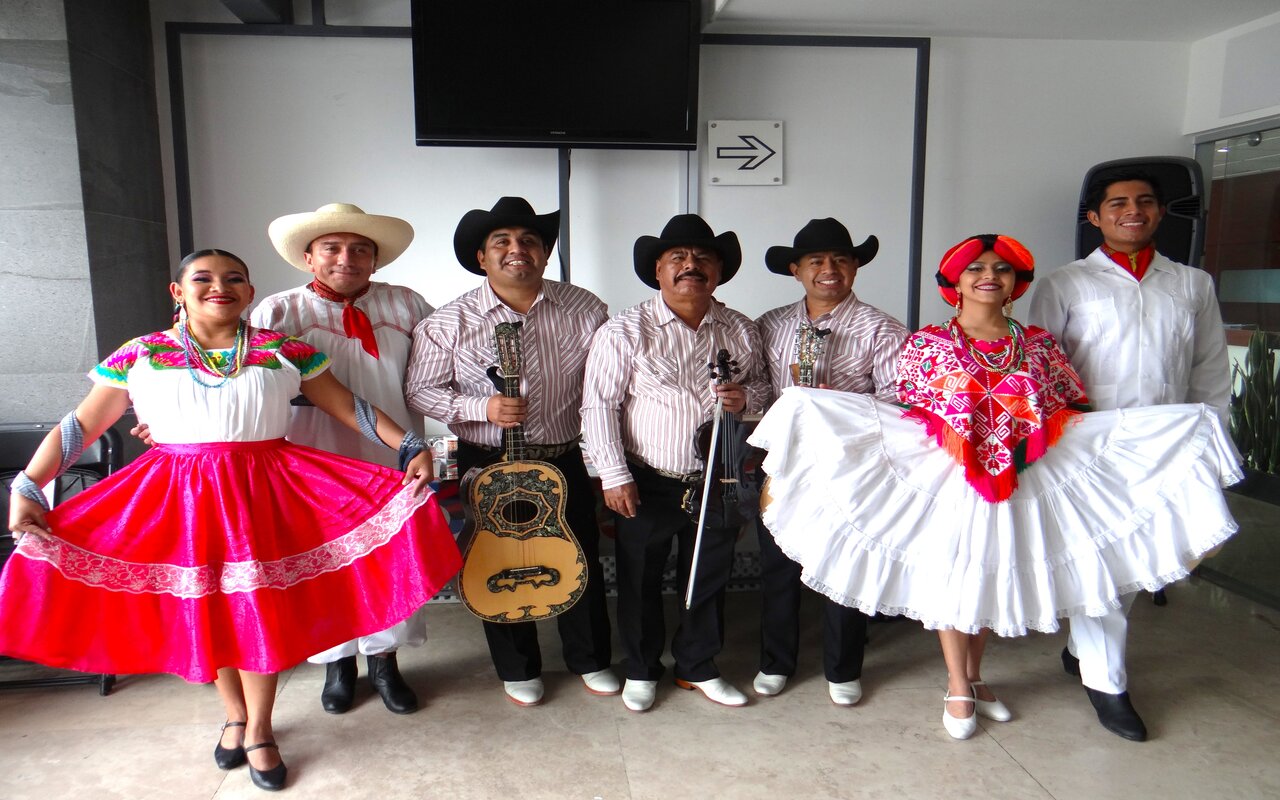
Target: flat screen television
x,y
556,73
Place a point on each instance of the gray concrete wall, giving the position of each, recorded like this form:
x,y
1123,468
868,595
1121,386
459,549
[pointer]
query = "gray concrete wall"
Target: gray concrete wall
x,y
113,86
83,258
46,305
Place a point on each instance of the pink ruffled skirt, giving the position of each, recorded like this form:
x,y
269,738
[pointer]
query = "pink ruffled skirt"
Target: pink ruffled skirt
x,y
253,555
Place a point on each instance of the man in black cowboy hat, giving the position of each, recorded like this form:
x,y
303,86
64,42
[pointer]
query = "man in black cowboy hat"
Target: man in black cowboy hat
x,y
447,381
646,392
849,346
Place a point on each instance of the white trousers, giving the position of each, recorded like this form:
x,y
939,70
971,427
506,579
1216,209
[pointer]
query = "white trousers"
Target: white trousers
x,y
410,633
1099,643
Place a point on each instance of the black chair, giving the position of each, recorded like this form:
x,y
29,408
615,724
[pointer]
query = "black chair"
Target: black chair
x,y
18,442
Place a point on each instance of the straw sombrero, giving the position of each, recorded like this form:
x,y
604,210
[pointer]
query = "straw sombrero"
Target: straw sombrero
x,y
292,234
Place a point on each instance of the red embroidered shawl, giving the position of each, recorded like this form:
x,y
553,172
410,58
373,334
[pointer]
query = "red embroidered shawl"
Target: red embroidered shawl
x,y
994,424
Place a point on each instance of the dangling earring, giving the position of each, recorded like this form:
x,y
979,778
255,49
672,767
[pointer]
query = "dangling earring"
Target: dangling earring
x,y
959,303
1008,306
182,314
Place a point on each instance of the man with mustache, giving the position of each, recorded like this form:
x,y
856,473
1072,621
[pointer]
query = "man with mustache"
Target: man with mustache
x,y
858,353
647,389
1140,330
365,326
447,381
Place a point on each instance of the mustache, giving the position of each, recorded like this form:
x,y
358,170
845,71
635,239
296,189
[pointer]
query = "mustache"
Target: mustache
x,y
692,274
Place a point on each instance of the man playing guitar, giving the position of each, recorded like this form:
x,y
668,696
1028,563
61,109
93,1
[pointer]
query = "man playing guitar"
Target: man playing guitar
x,y
447,380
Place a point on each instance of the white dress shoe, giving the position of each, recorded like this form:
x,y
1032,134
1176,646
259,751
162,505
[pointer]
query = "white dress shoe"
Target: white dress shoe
x,y
717,690
767,685
601,682
524,693
638,695
847,693
991,709
959,728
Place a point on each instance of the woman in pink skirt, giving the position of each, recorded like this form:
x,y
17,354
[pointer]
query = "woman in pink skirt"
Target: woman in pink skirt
x,y
223,553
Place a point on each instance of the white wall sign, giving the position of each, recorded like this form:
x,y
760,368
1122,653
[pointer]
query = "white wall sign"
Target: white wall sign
x,y
745,152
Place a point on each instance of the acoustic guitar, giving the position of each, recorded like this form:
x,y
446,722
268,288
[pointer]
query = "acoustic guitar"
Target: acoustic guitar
x,y
808,346
521,563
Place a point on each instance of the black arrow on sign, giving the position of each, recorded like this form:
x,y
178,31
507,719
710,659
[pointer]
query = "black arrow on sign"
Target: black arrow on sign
x,y
756,152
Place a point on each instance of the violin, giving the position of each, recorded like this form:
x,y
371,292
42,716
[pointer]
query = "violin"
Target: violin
x,y
731,488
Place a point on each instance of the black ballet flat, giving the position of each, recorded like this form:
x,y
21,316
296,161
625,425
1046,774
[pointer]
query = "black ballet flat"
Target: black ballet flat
x,y
272,780
228,757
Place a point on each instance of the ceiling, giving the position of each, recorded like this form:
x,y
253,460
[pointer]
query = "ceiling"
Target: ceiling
x,y
1122,20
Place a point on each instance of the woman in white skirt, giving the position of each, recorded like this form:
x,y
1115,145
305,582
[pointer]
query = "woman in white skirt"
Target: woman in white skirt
x,y
992,502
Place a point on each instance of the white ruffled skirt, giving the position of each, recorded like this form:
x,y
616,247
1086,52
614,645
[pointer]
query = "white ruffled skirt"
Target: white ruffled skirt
x,y
881,519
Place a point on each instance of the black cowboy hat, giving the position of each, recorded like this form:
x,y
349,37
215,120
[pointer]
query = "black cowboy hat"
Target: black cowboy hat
x,y
820,235
685,230
508,212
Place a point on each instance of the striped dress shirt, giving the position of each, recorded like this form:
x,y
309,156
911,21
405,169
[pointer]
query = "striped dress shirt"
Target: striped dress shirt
x,y
454,347
859,355
648,386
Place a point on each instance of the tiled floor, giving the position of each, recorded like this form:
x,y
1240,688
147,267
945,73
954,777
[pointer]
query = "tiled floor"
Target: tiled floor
x,y
1204,672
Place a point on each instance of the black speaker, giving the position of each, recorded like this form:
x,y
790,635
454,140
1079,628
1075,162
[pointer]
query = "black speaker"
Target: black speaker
x,y
1181,232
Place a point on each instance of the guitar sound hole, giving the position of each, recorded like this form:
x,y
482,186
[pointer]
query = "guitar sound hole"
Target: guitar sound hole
x,y
519,511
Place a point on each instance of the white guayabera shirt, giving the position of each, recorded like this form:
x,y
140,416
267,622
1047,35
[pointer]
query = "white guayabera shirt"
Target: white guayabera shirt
x,y
1138,343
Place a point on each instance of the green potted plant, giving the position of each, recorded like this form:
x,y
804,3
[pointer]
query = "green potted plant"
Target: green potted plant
x,y
1255,419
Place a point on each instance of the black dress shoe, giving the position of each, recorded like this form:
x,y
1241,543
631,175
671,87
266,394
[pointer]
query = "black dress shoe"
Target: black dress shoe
x,y
1070,664
339,685
384,676
272,779
1118,715
228,757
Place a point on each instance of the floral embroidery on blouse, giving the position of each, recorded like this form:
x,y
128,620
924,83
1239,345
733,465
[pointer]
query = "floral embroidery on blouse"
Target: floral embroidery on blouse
x,y
266,349
994,423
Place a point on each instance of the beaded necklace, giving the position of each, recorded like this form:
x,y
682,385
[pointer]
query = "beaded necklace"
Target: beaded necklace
x,y
197,355
1012,356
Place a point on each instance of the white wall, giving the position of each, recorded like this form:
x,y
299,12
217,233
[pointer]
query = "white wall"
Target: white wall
x,y
1013,127
1245,58
277,125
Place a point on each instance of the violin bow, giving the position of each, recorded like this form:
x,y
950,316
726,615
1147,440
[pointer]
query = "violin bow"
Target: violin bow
x,y
706,497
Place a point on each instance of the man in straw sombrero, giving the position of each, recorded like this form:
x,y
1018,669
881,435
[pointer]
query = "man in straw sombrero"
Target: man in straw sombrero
x,y
852,347
509,246
366,328
645,394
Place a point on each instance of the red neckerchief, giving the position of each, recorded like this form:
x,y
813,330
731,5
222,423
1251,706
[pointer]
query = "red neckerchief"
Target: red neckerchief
x,y
355,323
1137,263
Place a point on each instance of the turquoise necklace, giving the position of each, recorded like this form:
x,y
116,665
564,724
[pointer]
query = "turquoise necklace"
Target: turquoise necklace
x,y
196,355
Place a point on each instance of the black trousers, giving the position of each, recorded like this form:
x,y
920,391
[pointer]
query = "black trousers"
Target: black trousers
x,y
643,544
584,628
844,630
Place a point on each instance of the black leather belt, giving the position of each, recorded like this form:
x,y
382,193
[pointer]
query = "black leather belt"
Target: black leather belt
x,y
532,452
681,477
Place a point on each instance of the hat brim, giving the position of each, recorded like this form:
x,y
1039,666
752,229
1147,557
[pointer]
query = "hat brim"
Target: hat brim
x,y
477,224
780,258
292,234
648,249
